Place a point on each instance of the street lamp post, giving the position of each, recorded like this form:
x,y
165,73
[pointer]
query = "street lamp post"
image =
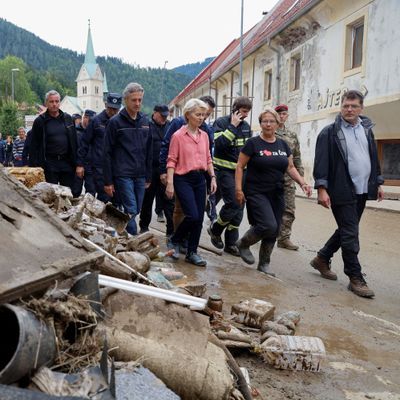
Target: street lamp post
x,y
241,50
12,82
162,82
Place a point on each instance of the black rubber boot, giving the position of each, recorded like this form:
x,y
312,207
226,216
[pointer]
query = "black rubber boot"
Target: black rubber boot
x,y
265,256
243,244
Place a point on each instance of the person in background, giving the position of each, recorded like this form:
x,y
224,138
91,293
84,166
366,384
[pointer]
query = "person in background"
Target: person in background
x,y
189,158
8,152
77,118
346,175
54,143
2,149
87,179
128,154
267,159
158,126
91,149
18,147
288,217
231,133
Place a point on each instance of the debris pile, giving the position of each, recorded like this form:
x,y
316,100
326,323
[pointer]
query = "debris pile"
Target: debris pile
x,y
67,298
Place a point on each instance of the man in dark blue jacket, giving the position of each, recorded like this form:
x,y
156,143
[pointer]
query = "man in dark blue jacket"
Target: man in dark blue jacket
x,y
128,154
92,144
346,175
158,126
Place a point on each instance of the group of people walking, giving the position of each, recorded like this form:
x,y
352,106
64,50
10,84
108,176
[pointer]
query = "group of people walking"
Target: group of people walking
x,y
132,160
13,151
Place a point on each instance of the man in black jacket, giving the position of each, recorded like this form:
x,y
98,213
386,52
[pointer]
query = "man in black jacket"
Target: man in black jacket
x,y
346,174
92,144
54,143
158,126
128,154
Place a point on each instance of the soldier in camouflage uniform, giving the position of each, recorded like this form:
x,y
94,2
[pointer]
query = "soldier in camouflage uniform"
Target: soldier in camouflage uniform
x,y
288,217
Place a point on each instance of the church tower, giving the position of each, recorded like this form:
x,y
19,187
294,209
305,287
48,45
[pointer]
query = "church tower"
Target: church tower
x,y
90,80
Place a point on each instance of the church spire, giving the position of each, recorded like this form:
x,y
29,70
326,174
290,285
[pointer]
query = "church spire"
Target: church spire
x,y
89,56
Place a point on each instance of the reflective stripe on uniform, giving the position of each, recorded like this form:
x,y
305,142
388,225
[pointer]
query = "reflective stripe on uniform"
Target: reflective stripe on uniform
x,y
228,134
223,163
231,227
222,223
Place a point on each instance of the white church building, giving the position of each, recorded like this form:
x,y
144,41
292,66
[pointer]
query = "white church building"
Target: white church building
x,y
91,85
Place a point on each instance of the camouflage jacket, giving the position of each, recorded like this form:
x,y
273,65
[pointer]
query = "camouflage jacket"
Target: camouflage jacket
x,y
292,140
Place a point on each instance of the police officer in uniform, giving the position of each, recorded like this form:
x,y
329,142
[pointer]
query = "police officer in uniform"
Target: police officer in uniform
x,y
92,143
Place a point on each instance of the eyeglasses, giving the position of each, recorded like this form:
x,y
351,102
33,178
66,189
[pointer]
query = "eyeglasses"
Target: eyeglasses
x,y
354,106
268,121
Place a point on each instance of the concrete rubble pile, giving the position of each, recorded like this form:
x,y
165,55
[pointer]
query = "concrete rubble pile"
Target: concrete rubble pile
x,y
92,312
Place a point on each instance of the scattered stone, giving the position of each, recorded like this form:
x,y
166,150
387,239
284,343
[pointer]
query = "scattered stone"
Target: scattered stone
x,y
275,327
138,261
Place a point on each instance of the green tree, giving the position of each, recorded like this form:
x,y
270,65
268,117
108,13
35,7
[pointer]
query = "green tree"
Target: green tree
x,y
9,118
22,89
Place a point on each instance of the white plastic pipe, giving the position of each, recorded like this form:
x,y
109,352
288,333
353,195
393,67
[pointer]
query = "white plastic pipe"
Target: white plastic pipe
x,y
146,290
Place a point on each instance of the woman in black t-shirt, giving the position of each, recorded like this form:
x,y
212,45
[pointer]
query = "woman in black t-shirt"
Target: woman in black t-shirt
x,y
267,159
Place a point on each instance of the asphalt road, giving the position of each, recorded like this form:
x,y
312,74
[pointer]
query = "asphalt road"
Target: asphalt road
x,y
361,336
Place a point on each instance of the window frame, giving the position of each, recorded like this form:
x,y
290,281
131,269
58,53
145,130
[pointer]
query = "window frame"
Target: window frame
x,y
379,144
295,72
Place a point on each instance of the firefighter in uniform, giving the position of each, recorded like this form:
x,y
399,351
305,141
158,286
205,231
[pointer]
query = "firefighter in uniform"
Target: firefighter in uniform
x,y
231,133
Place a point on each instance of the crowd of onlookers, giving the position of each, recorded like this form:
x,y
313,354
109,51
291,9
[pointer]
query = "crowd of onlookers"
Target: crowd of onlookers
x,y
12,149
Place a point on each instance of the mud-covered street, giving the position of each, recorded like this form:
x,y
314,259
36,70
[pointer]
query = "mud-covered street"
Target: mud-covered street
x,y
361,336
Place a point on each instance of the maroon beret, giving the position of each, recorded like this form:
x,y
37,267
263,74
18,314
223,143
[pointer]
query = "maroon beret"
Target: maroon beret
x,y
281,107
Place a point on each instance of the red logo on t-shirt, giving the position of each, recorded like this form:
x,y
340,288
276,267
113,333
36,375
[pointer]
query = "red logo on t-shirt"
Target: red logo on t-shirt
x,y
267,153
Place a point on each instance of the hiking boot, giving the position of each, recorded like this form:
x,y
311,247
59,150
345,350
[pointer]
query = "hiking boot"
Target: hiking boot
x,y
215,239
287,244
195,259
232,250
243,244
359,287
324,268
265,268
160,217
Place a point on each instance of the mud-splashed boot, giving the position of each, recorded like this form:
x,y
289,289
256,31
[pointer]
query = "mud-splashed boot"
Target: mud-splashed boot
x,y
243,244
265,257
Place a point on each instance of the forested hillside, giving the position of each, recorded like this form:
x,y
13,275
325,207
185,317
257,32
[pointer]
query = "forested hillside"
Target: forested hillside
x,y
49,67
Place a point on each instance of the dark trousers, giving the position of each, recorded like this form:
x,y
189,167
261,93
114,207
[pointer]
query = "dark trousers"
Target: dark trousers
x,y
231,213
190,189
98,182
347,217
264,211
154,191
59,172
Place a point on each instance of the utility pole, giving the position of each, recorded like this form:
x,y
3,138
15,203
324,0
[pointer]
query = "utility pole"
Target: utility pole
x,y
241,50
162,82
12,82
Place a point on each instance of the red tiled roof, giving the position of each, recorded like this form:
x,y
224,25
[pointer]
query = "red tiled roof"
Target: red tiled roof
x,y
283,13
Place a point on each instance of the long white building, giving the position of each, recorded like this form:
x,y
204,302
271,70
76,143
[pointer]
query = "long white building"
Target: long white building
x,y
306,54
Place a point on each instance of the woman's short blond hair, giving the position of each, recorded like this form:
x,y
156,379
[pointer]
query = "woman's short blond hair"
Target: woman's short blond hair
x,y
269,111
192,105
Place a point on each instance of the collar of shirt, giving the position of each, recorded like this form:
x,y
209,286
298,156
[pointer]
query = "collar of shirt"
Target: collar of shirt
x,y
346,124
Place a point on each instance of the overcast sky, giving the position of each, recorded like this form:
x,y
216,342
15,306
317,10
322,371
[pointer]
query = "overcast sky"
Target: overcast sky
x,y
146,32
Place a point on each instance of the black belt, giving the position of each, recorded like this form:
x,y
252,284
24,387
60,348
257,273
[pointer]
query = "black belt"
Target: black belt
x,y
57,156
